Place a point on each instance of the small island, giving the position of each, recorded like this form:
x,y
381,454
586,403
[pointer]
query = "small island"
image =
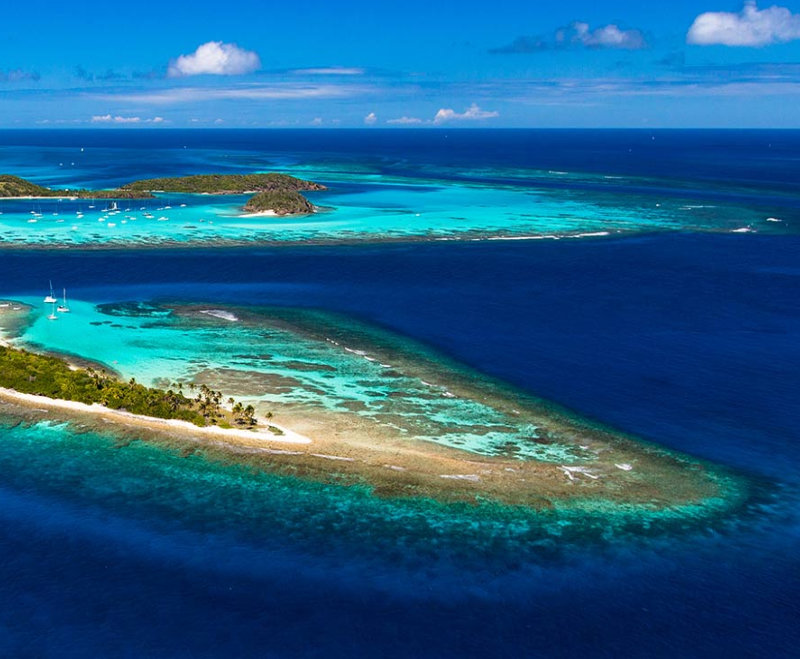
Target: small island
x,y
574,466
279,203
278,194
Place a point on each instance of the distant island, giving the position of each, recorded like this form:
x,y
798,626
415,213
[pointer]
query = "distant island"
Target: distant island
x,y
15,187
273,193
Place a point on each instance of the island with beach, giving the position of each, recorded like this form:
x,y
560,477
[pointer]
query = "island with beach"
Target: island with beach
x,y
279,194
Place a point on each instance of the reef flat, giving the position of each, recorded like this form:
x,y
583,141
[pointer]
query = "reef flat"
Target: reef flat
x,y
357,207
377,409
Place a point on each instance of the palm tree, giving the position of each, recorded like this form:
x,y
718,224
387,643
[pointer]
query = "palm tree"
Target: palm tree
x,y
249,413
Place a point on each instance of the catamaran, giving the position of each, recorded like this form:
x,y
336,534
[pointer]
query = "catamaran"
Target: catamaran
x,y
51,299
63,308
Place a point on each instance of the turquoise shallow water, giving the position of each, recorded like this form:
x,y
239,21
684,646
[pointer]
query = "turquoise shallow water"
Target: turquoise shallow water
x,y
368,210
363,205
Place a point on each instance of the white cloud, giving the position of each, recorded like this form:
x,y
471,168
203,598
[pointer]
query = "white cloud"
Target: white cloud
x,y
405,121
472,113
109,119
370,119
316,121
750,27
215,58
331,71
577,34
609,36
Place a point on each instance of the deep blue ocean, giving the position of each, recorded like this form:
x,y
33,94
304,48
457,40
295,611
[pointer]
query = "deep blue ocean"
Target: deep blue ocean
x,y
688,340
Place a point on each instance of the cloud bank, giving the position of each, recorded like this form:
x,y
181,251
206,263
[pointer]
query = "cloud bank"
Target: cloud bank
x,y
370,119
215,58
608,36
472,113
750,27
578,34
108,119
405,121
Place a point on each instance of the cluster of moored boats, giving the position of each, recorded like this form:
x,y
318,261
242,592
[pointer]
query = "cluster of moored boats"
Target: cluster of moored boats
x,y
109,213
53,300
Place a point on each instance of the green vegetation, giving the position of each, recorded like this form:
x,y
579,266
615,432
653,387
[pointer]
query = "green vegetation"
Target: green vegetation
x,y
280,203
224,184
14,186
44,375
278,193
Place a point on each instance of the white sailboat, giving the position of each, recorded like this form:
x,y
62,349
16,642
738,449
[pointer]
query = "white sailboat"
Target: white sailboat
x,y
51,299
63,308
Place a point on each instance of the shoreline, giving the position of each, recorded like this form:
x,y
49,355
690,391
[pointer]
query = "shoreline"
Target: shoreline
x,y
43,197
151,422
267,213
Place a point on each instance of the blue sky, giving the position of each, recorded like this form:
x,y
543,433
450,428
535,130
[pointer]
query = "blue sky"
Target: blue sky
x,y
415,63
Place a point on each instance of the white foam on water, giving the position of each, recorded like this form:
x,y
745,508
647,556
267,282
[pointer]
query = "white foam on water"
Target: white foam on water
x,y
461,477
219,313
570,472
333,457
